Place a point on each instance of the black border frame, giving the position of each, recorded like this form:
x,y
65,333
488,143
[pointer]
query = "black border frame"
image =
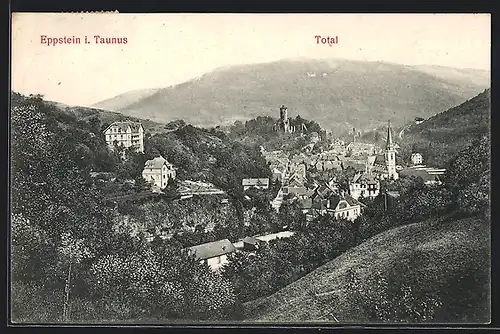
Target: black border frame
x,y
148,6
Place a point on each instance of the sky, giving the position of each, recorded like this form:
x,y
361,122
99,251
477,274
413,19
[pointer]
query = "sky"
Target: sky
x,y
167,49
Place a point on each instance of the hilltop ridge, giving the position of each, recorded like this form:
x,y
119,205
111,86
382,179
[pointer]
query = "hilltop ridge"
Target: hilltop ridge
x,y
339,94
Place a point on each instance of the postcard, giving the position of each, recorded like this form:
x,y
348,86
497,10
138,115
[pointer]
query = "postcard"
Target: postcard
x,y
250,169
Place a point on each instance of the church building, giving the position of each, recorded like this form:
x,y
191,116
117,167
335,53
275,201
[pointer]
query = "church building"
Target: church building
x,y
384,164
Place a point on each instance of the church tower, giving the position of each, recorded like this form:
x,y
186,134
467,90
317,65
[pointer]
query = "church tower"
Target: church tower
x,y
390,155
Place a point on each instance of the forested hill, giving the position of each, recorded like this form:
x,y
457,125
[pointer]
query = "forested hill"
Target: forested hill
x,y
260,131
198,154
337,93
61,227
208,155
442,136
103,117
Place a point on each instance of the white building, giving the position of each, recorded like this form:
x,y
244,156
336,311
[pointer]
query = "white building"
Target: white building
x,y
364,185
212,253
255,183
345,207
416,158
126,134
158,171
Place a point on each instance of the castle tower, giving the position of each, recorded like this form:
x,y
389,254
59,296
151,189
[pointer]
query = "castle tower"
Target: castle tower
x,y
283,113
390,156
283,122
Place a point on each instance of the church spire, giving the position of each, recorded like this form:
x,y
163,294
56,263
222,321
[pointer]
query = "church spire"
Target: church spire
x,y
389,137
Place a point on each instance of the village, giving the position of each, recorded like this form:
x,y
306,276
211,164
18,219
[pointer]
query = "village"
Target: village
x,y
295,174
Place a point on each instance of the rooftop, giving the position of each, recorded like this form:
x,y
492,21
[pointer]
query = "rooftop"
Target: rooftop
x,y
273,236
255,182
157,162
211,249
123,125
422,173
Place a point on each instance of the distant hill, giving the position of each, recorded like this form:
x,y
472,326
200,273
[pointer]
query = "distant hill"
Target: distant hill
x,y
338,94
123,100
442,136
447,258
106,117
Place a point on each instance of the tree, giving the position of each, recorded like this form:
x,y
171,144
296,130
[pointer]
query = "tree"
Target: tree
x,y
32,251
72,251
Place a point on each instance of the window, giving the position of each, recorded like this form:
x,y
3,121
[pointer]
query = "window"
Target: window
x,y
347,213
218,259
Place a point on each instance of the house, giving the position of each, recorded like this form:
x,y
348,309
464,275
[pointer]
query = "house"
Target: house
x,y
300,191
305,204
255,183
327,199
320,197
158,171
328,161
419,120
279,172
251,243
416,158
295,186
364,185
126,134
307,160
344,206
356,148
429,176
324,165
299,170
357,165
212,253
273,236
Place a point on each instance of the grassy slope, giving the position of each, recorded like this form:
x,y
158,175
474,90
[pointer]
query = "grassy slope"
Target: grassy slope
x,y
353,94
449,256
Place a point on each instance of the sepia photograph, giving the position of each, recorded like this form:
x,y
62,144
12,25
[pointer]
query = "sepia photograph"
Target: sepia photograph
x,y
250,169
